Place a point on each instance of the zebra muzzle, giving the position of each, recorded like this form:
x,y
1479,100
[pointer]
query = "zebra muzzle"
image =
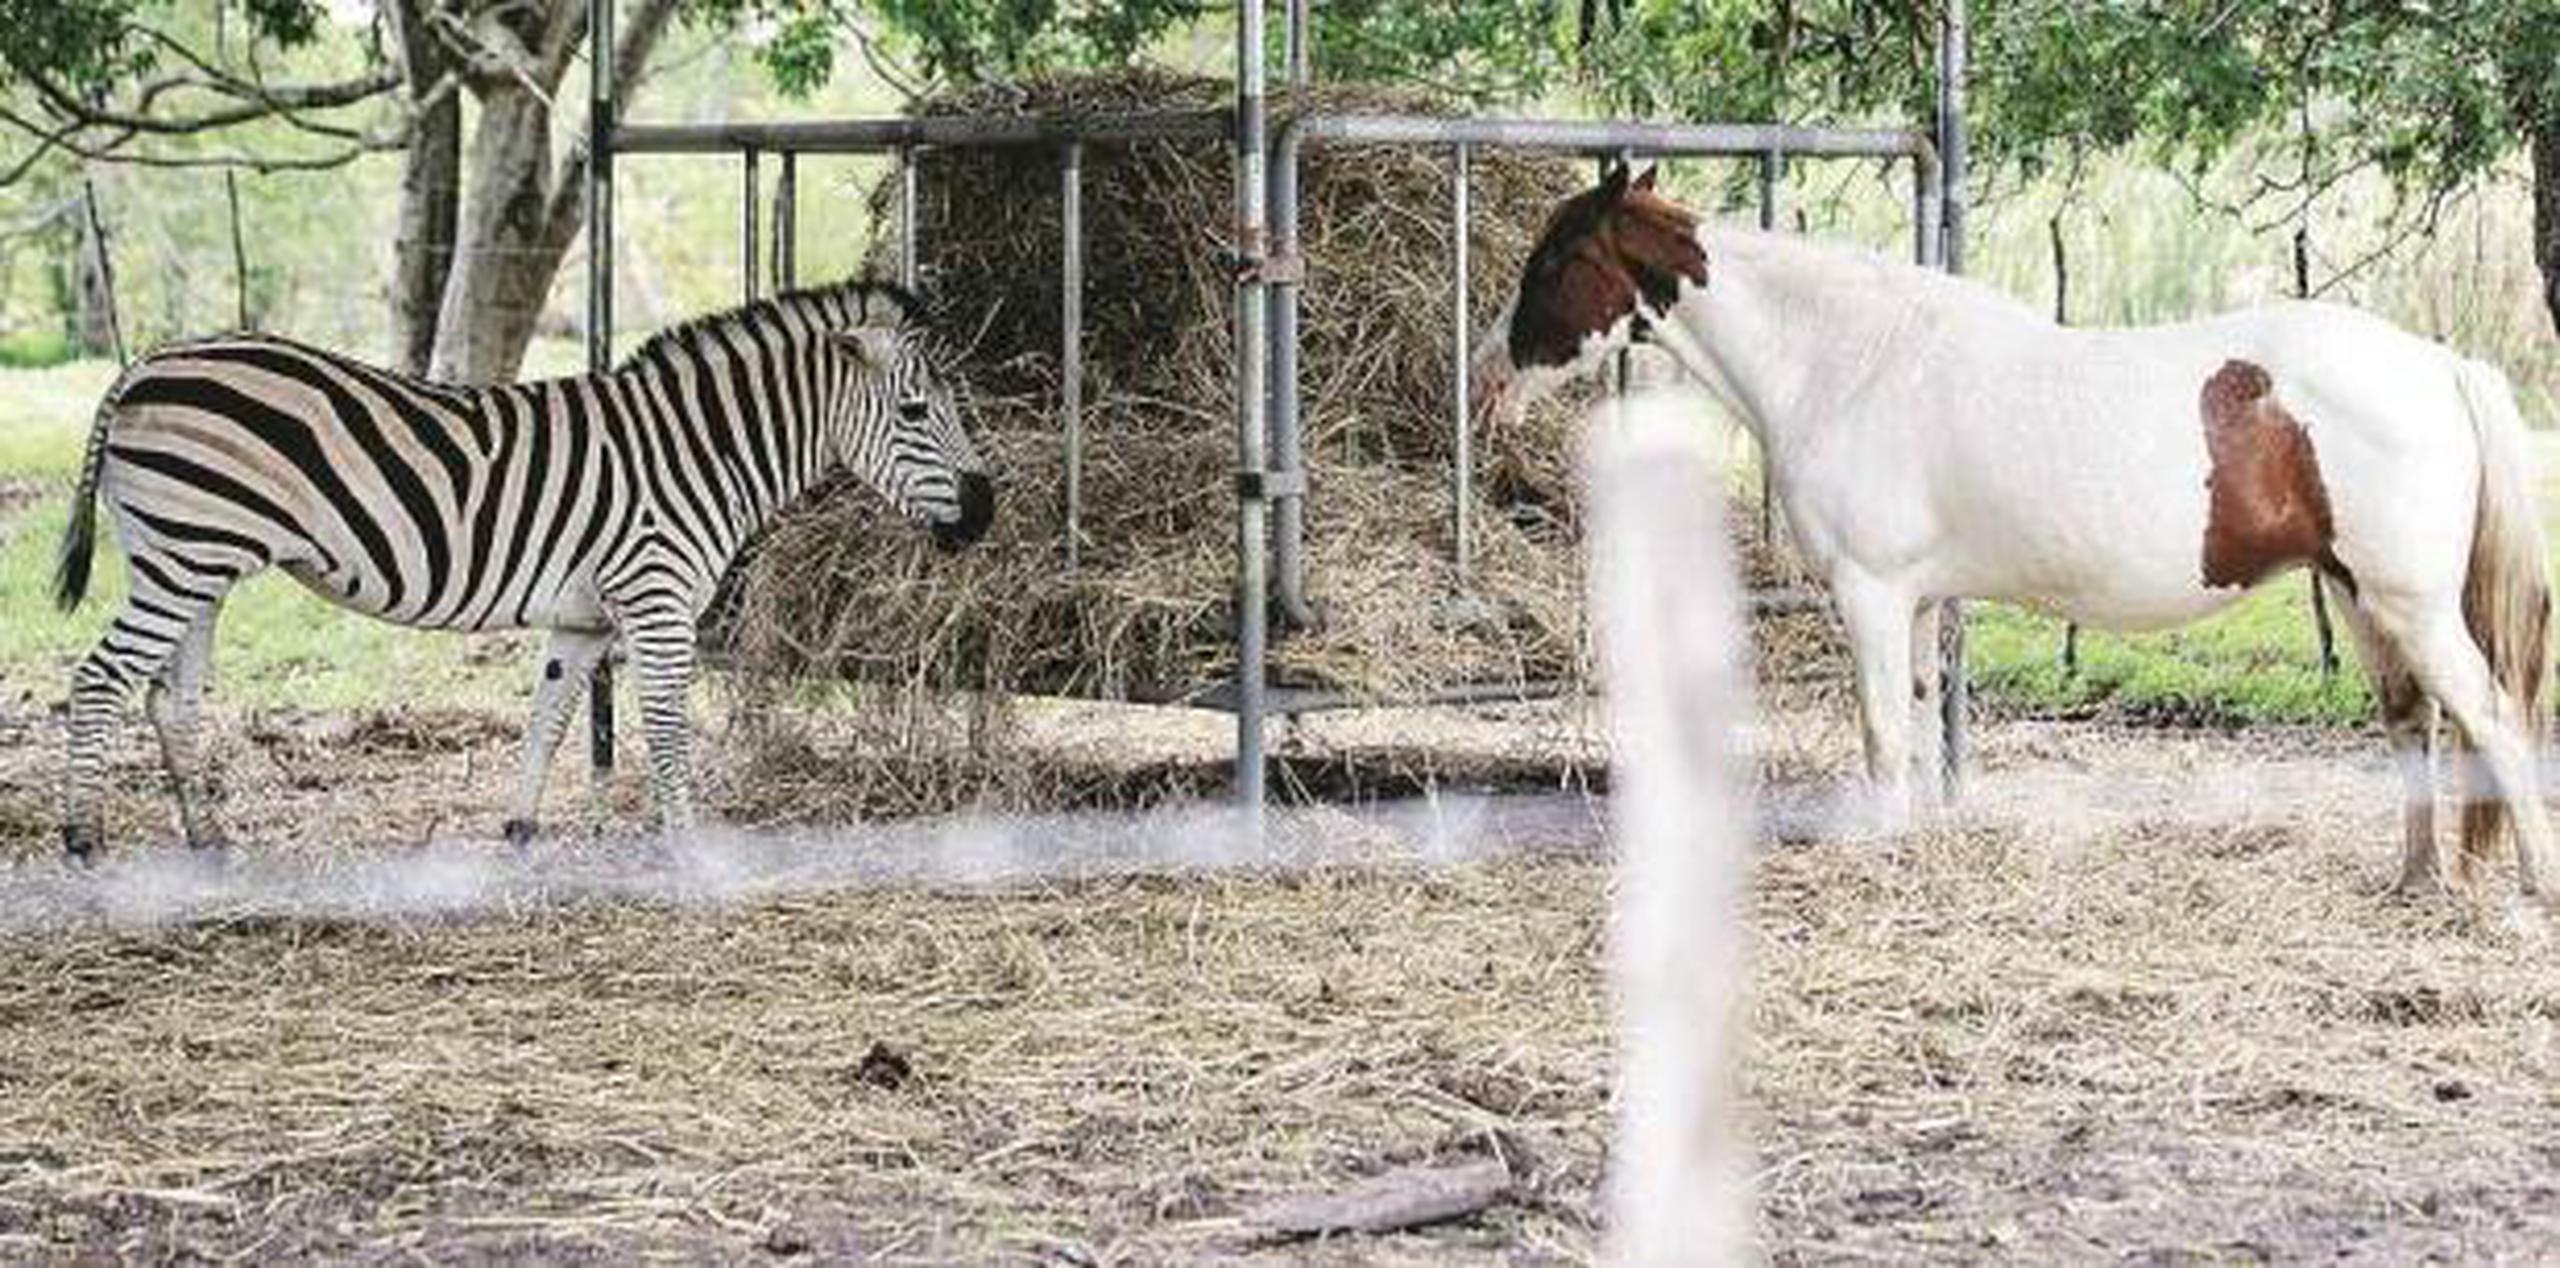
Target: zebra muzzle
x,y
977,511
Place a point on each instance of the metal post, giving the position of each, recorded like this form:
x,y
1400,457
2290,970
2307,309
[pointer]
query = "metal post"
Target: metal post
x,y
600,303
1071,337
1301,52
747,216
786,224
1287,435
1626,355
1954,690
908,234
1252,356
2319,595
1464,527
1772,166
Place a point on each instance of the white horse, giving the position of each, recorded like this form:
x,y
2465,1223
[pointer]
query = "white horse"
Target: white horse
x,y
1930,439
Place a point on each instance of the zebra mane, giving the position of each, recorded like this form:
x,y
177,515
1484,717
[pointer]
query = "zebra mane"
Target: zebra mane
x,y
862,292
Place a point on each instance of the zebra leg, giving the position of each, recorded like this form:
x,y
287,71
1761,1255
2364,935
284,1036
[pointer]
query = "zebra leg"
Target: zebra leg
x,y
659,634
566,663
136,648
173,701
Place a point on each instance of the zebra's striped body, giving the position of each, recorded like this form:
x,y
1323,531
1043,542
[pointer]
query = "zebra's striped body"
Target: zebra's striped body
x,y
587,506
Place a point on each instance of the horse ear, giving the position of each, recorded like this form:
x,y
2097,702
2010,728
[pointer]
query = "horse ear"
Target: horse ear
x,y
1644,182
1613,181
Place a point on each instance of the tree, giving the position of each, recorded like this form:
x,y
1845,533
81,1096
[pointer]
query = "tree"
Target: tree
x,y
154,83
2433,95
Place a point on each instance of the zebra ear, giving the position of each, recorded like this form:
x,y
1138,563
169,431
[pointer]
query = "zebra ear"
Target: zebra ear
x,y
871,347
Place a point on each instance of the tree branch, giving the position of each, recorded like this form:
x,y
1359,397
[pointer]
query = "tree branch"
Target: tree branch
x,y
639,35
112,150
254,103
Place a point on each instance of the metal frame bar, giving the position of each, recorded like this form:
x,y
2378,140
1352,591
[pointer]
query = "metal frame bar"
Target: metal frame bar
x,y
751,190
1955,690
910,236
1270,483
1253,356
1773,166
1576,136
600,140
1770,145
1071,337
1461,219
889,136
1301,45
786,224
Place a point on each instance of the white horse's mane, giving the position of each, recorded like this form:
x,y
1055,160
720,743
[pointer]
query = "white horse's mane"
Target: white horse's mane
x,y
1856,266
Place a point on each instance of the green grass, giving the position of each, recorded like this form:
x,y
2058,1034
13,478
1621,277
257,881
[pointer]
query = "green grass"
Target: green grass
x,y
2259,661
282,646
279,644
39,346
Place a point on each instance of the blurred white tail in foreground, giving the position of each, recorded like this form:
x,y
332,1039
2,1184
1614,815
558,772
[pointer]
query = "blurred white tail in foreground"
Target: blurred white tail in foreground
x,y
1671,644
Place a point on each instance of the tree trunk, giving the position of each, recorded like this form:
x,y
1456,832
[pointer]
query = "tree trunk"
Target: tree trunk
x,y
2546,211
498,283
430,203
93,331
520,217
430,188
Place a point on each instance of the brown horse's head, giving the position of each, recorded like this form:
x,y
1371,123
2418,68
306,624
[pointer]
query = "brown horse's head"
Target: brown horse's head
x,y
1603,251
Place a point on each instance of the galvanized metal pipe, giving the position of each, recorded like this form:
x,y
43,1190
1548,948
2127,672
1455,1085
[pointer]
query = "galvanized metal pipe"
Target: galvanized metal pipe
x,y
1601,137
1287,438
1252,355
1772,166
786,224
1301,49
884,136
1954,690
1071,337
1461,217
1626,355
908,234
748,214
1287,426
600,145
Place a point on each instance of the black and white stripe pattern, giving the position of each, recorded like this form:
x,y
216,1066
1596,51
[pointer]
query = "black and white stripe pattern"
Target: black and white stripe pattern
x,y
587,506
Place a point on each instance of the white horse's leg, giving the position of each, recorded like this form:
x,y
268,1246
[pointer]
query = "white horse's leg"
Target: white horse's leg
x,y
1878,617
566,667
1928,747
2450,666
2409,724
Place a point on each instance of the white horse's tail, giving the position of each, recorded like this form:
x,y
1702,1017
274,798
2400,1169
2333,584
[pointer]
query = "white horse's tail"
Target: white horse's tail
x,y
2506,595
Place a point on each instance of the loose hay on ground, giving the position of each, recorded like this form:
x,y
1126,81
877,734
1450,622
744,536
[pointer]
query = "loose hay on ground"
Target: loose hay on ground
x,y
2145,1006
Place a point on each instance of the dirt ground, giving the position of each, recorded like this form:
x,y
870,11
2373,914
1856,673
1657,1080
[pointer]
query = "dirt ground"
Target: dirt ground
x,y
2140,1001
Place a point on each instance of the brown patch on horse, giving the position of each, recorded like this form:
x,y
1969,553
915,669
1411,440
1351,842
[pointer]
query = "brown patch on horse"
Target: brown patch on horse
x,y
2269,508
1602,251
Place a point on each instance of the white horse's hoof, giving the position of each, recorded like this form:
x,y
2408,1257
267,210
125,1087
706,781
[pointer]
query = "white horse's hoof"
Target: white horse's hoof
x,y
2528,918
1870,815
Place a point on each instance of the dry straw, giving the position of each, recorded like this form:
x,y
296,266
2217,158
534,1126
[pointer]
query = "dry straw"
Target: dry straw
x,y
842,589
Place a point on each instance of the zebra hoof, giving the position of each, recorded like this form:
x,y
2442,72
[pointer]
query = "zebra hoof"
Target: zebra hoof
x,y
83,842
519,832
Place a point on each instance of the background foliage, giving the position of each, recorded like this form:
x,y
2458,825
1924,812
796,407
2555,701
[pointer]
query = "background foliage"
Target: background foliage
x,y
2171,149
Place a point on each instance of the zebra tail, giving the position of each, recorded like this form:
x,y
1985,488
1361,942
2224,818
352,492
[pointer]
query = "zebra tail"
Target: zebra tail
x,y
80,537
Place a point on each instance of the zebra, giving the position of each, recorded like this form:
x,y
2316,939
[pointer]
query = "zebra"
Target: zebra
x,y
589,506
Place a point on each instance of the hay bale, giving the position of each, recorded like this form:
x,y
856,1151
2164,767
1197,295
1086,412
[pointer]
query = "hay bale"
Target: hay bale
x,y
842,588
